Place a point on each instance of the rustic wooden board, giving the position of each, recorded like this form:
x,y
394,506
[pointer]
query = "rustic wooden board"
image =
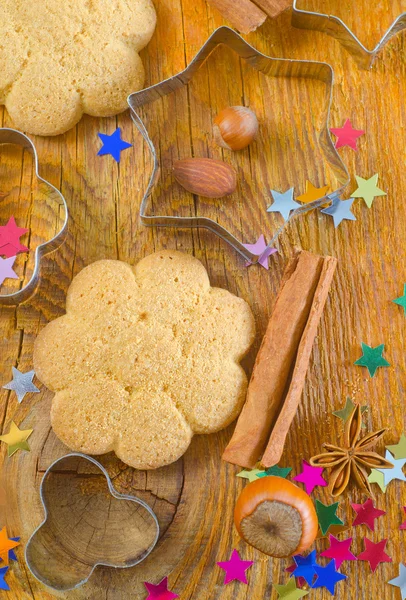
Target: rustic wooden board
x,y
195,497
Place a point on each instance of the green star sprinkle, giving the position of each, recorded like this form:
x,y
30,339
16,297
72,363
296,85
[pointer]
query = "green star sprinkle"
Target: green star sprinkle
x,y
367,189
250,475
378,478
345,412
290,591
402,299
327,516
372,358
276,471
398,450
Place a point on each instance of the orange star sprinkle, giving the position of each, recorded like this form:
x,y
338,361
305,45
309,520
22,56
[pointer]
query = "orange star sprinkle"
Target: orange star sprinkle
x,y
6,545
313,193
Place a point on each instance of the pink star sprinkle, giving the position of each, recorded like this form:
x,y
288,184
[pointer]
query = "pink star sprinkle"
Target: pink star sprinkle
x,y
339,550
10,236
6,269
260,249
310,477
374,553
346,135
235,568
366,514
160,591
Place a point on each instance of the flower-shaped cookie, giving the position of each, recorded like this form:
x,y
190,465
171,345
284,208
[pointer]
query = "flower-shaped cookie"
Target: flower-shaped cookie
x,y
59,60
144,358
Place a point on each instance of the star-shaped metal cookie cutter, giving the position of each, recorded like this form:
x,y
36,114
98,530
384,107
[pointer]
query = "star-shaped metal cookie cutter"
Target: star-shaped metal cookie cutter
x,y
12,136
275,67
335,27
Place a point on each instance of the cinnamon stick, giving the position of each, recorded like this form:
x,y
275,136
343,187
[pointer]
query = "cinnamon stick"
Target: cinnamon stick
x,y
281,364
273,8
244,15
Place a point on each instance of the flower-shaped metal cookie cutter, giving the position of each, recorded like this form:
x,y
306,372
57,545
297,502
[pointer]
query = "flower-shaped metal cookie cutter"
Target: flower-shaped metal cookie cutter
x,y
87,524
276,67
335,27
12,136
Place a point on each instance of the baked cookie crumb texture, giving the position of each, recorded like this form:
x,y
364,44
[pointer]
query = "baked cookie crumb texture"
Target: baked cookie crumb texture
x,y
59,60
144,358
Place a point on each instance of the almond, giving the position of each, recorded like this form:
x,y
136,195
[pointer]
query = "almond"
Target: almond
x,y
205,177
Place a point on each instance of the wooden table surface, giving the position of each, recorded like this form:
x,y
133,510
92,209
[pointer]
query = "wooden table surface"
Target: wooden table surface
x,y
194,498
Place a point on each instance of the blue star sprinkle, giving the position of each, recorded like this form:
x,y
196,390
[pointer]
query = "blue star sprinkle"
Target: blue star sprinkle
x,y
113,144
283,203
11,553
3,583
305,567
328,577
340,210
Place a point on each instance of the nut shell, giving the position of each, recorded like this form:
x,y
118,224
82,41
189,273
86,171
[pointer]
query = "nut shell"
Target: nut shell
x,y
205,177
235,127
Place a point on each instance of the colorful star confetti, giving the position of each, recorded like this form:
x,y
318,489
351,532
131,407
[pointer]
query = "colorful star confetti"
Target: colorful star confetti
x,y
159,591
300,581
3,583
276,471
368,189
251,475
12,555
402,299
400,581
283,203
398,450
113,144
327,515
16,439
333,529
10,234
366,514
345,412
372,358
340,210
260,249
6,544
328,577
395,473
346,135
377,477
290,591
374,553
305,567
6,269
235,568
21,384
339,551
310,477
313,193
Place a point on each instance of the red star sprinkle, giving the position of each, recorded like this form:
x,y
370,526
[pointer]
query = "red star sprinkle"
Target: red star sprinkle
x,y
10,238
339,550
346,135
403,526
366,514
374,553
160,591
235,568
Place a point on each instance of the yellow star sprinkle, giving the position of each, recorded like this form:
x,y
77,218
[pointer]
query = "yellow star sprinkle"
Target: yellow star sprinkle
x,y
16,439
312,193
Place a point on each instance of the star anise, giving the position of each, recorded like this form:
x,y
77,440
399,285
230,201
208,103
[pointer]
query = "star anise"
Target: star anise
x,y
353,458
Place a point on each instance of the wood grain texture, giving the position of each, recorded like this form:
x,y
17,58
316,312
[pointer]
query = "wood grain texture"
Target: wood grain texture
x,y
195,497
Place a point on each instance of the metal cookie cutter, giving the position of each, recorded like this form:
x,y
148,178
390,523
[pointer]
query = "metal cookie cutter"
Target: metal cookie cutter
x,y
275,67
334,26
12,136
87,524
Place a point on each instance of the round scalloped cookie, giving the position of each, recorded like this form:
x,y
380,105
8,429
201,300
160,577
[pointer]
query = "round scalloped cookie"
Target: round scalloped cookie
x,y
144,358
61,59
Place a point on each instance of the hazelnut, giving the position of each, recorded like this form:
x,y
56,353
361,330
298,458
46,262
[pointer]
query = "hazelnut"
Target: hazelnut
x,y
235,127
